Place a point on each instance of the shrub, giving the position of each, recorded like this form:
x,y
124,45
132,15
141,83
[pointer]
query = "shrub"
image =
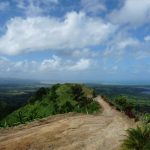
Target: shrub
x,y
145,118
137,139
123,104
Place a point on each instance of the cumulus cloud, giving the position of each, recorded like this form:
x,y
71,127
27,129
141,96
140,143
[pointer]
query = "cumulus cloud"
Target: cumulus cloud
x,y
58,64
133,12
82,64
50,64
75,31
47,65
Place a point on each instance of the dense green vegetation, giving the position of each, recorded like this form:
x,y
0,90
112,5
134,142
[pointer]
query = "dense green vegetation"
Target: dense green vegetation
x,y
123,104
60,98
15,95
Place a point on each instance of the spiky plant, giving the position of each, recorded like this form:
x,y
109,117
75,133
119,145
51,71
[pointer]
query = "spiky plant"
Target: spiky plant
x,y
137,139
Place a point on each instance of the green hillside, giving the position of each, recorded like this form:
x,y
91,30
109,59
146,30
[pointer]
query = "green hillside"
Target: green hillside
x,y
60,98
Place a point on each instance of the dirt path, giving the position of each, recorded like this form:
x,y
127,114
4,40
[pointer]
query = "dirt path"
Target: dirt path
x,y
70,132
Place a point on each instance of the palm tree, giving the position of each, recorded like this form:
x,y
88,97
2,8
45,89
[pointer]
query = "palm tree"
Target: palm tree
x,y
138,139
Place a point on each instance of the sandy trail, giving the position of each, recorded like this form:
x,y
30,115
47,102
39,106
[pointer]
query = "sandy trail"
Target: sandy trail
x,y
70,132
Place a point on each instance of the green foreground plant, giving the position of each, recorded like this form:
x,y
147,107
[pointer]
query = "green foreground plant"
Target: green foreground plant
x,y
138,138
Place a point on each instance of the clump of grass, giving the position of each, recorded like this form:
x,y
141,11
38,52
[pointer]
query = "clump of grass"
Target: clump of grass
x,y
138,138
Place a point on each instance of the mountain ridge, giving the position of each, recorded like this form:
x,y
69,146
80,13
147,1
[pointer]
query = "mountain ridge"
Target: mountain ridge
x,y
70,131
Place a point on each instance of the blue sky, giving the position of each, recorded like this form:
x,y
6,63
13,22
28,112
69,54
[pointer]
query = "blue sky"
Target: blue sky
x,y
75,40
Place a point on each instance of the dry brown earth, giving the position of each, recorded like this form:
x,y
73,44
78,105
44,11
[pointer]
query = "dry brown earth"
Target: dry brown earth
x,y
71,131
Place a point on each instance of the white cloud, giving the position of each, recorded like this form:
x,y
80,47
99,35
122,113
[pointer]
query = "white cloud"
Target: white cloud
x,y
133,12
121,43
124,43
49,64
82,64
93,6
4,6
75,31
124,47
55,63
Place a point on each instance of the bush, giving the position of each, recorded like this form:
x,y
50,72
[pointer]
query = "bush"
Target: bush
x,y
137,139
93,107
145,118
123,104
